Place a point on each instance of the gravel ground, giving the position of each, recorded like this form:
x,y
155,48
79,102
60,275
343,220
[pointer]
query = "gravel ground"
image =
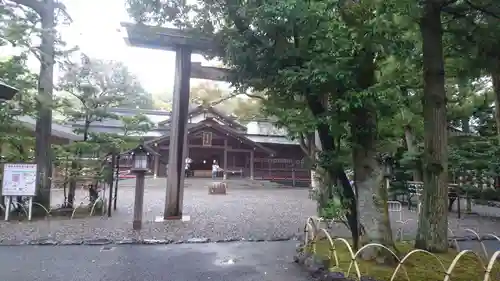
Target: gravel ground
x,y
477,209
242,214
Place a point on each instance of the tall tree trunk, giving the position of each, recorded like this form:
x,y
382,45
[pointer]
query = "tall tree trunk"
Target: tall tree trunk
x,y
43,150
412,148
372,190
335,169
314,180
495,77
463,90
307,146
317,145
432,234
72,184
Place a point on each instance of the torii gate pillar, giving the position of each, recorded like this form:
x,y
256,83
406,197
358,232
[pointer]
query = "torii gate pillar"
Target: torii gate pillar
x,y
184,44
178,138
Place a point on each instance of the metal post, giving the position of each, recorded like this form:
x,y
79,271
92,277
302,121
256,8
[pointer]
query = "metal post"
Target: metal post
x,y
293,177
156,165
139,200
225,155
7,207
30,208
251,165
178,135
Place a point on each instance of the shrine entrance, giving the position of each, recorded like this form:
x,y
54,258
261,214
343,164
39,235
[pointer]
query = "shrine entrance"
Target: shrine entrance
x,y
202,160
204,157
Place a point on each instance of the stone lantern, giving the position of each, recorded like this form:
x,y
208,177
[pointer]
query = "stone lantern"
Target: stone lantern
x,y
140,159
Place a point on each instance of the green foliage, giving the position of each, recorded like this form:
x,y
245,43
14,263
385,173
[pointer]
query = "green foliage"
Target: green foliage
x,y
96,85
16,25
137,124
20,27
17,141
232,104
475,153
92,87
333,210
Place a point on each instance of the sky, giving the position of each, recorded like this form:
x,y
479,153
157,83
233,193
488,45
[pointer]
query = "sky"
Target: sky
x,y
96,30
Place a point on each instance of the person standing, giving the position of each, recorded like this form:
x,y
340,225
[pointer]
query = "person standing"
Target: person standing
x,y
187,167
186,170
215,169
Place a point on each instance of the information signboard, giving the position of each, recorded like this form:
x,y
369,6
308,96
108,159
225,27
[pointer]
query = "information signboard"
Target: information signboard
x,y
19,180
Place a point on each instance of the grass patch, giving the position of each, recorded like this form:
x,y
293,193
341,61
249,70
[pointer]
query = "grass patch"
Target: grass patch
x,y
420,266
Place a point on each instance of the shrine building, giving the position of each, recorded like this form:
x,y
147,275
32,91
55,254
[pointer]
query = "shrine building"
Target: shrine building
x,y
257,150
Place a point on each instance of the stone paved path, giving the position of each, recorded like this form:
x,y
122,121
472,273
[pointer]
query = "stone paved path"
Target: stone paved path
x,y
259,214
267,261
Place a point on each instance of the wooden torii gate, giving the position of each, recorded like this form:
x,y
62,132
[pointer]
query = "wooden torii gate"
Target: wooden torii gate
x,y
184,44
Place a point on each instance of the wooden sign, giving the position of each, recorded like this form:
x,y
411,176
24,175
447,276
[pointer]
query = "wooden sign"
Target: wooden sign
x,y
19,180
207,139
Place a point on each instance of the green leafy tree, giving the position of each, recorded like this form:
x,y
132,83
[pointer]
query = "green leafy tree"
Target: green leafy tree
x,y
21,21
235,104
16,140
310,52
432,232
97,85
94,87
352,64
136,125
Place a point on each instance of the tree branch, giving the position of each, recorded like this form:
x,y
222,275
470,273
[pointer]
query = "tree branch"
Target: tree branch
x,y
482,10
33,50
243,28
447,3
255,96
308,148
62,8
35,5
303,145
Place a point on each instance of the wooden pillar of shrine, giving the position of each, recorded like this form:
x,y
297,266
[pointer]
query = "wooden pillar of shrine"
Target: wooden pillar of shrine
x,y
156,165
252,164
225,155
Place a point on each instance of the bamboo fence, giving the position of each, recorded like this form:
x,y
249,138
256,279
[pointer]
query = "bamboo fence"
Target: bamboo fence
x,y
312,234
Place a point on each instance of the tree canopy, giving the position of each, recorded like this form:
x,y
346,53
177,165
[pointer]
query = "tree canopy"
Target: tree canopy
x,y
370,77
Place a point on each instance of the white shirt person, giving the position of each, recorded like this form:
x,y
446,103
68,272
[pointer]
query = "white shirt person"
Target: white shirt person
x,y
215,169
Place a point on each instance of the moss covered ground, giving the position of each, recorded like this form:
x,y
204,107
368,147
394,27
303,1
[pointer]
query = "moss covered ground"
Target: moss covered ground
x,y
419,266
